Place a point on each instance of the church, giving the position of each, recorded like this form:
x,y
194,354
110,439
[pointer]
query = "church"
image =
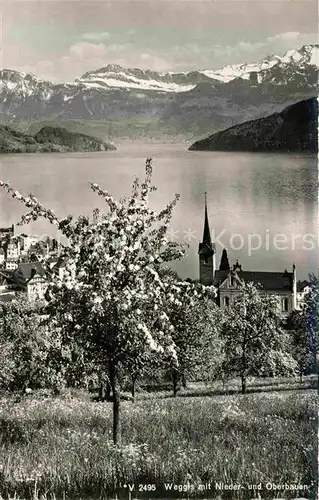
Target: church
x,y
228,279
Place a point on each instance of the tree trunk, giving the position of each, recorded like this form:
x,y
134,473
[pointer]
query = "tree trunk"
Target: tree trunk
x,y
101,392
300,377
116,403
175,381
134,377
184,382
108,391
243,384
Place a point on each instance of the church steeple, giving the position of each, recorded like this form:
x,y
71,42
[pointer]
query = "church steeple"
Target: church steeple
x,y
206,253
206,235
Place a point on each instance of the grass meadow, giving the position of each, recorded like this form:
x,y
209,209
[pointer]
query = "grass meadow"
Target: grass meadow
x,y
61,448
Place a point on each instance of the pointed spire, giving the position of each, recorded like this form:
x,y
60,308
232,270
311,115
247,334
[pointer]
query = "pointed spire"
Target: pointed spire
x,y
224,262
206,235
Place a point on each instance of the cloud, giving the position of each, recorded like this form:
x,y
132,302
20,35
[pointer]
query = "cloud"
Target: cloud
x,y
85,51
245,51
85,56
96,36
88,53
289,35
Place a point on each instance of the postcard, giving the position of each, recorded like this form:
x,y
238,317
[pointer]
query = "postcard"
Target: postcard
x,y
158,249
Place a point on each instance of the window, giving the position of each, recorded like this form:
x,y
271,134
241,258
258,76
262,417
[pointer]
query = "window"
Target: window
x,y
205,259
285,304
226,301
231,280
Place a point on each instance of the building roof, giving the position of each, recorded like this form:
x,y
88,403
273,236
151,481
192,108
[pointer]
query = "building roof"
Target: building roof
x,y
7,230
6,277
7,297
206,246
301,285
206,234
58,262
220,276
271,281
27,270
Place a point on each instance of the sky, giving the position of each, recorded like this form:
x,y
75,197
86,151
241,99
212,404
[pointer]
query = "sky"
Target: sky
x,y
60,40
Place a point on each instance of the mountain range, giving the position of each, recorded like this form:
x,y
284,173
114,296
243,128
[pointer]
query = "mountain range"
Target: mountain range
x,y
295,129
117,102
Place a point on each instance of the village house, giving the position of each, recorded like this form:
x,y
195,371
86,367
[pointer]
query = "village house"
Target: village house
x,y
7,292
17,273
303,288
228,281
6,232
12,252
2,257
17,248
6,283
26,242
30,277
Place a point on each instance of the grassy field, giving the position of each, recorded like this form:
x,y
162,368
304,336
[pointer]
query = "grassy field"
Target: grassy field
x,y
61,447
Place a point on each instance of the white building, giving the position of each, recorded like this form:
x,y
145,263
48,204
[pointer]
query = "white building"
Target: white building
x,y
2,256
303,288
27,242
31,278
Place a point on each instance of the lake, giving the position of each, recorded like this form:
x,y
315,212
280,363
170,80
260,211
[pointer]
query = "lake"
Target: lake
x,y
262,207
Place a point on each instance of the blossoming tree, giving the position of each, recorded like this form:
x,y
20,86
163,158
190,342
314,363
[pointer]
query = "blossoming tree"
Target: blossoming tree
x,y
197,322
254,341
303,327
110,277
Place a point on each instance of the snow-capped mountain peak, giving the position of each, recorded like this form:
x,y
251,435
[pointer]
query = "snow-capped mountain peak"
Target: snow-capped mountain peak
x,y
308,55
114,75
23,84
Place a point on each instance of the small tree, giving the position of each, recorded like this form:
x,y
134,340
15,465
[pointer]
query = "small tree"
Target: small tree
x,y
303,348
26,342
110,277
312,301
254,342
302,326
195,318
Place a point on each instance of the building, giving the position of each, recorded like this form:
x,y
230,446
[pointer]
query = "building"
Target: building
x,y
207,254
2,257
7,232
6,282
12,253
228,281
26,242
303,288
17,272
31,278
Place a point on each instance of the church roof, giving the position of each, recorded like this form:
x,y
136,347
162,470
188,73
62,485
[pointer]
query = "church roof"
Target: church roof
x,y
220,276
206,234
206,246
271,281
